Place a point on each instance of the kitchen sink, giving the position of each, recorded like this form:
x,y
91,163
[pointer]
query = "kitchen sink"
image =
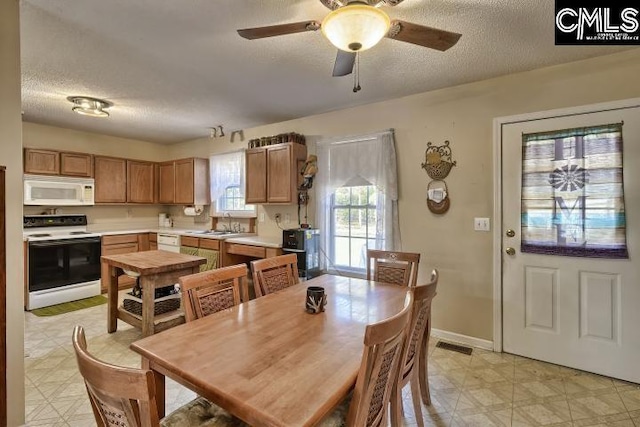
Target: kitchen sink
x,y
215,232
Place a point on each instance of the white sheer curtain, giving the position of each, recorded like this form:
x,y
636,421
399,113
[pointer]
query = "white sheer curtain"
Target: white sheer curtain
x,y
372,158
226,169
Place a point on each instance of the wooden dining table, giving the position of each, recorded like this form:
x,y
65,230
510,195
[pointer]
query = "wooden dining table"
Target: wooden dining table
x,y
155,269
268,361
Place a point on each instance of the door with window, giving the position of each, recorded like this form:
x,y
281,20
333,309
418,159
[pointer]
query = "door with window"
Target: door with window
x,y
571,241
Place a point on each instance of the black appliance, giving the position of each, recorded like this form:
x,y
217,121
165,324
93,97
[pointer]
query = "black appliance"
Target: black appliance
x,y
305,243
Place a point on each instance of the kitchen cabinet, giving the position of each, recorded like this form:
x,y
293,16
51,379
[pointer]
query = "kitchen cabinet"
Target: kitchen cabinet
x,y
166,182
153,241
110,180
3,306
76,164
114,245
184,182
51,162
273,173
45,162
140,181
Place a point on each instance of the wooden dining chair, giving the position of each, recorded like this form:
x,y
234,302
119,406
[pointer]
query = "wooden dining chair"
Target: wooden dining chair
x,y
384,343
273,274
414,365
126,396
400,268
211,291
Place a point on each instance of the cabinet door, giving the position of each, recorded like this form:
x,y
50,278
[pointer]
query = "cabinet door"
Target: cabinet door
x,y
166,179
140,182
256,176
279,167
111,180
184,182
76,164
41,161
124,281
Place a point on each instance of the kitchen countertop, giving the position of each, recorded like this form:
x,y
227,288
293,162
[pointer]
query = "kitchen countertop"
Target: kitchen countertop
x,y
264,241
238,238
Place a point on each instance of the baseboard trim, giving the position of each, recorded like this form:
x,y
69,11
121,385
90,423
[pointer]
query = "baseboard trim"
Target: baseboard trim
x,y
462,339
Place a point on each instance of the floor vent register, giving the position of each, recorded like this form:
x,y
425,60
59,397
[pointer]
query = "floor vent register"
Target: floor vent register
x,y
454,347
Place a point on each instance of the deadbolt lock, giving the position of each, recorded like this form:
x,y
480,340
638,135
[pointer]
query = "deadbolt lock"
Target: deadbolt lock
x,y
510,251
510,233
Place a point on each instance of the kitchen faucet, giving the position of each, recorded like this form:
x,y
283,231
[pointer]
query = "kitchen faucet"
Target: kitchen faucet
x,y
227,227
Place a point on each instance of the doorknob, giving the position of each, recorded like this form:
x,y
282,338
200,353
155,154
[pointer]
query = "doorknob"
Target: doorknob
x,y
510,233
510,251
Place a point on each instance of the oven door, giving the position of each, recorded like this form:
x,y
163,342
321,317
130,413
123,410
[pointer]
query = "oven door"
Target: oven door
x,y
58,263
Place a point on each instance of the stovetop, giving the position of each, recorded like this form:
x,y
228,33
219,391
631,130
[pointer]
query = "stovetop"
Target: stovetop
x,y
55,227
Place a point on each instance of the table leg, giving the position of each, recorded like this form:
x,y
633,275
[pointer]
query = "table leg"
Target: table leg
x,y
159,380
148,297
112,295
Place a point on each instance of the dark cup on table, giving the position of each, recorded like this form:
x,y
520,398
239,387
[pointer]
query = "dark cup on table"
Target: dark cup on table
x,y
316,299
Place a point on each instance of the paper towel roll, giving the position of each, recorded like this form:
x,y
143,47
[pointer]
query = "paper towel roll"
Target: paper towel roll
x,y
192,210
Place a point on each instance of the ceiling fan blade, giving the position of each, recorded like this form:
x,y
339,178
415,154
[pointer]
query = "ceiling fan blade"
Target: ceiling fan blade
x,y
344,63
279,30
421,35
389,2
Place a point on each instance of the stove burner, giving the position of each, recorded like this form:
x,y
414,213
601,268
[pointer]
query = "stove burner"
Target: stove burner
x,y
41,235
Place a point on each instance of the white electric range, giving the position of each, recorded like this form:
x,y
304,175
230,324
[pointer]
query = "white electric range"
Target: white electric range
x,y
63,259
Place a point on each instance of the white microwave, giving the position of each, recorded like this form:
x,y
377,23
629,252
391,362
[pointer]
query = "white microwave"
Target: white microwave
x,y
58,191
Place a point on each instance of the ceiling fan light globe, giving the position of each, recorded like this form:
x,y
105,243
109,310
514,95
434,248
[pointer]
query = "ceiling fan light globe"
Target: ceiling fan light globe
x,y
355,27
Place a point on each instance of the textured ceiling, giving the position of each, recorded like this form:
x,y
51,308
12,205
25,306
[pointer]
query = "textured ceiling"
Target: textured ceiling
x,y
173,69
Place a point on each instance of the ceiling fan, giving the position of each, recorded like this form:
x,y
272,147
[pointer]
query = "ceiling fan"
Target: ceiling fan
x,y
356,25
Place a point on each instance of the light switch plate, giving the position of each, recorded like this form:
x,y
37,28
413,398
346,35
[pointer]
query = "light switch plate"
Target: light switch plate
x,y
261,218
287,218
482,224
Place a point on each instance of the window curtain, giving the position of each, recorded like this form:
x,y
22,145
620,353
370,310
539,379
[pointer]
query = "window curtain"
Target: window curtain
x,y
226,169
351,159
572,193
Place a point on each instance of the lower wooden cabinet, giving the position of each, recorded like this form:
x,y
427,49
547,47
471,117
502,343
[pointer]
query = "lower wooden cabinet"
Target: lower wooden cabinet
x,y
115,245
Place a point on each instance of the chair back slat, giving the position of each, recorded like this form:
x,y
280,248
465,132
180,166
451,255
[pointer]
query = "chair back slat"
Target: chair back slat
x,y
384,343
273,274
420,319
119,396
400,268
211,291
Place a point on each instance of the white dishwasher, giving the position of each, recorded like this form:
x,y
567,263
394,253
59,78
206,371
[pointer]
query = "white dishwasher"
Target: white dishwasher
x,y
169,242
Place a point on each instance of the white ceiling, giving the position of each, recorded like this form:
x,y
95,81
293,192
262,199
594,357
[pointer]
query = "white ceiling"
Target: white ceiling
x,y
174,68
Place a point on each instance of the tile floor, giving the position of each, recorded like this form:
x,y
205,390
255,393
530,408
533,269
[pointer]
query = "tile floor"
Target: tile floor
x,y
484,389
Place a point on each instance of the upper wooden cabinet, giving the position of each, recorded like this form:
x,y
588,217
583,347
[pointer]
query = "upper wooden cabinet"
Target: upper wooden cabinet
x,y
50,162
184,182
166,182
140,181
273,173
76,164
45,162
111,180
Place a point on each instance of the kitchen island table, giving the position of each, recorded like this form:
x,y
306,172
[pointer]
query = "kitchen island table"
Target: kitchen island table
x,y
155,269
268,361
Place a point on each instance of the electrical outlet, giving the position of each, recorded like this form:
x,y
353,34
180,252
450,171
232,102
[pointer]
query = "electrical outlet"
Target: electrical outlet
x,y
481,224
287,218
278,217
261,217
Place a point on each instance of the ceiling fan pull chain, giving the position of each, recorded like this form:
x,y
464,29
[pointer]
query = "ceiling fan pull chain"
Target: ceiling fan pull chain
x,y
356,75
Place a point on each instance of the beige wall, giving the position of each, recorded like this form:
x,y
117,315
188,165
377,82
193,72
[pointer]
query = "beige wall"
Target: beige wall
x,y
56,138
11,157
463,115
